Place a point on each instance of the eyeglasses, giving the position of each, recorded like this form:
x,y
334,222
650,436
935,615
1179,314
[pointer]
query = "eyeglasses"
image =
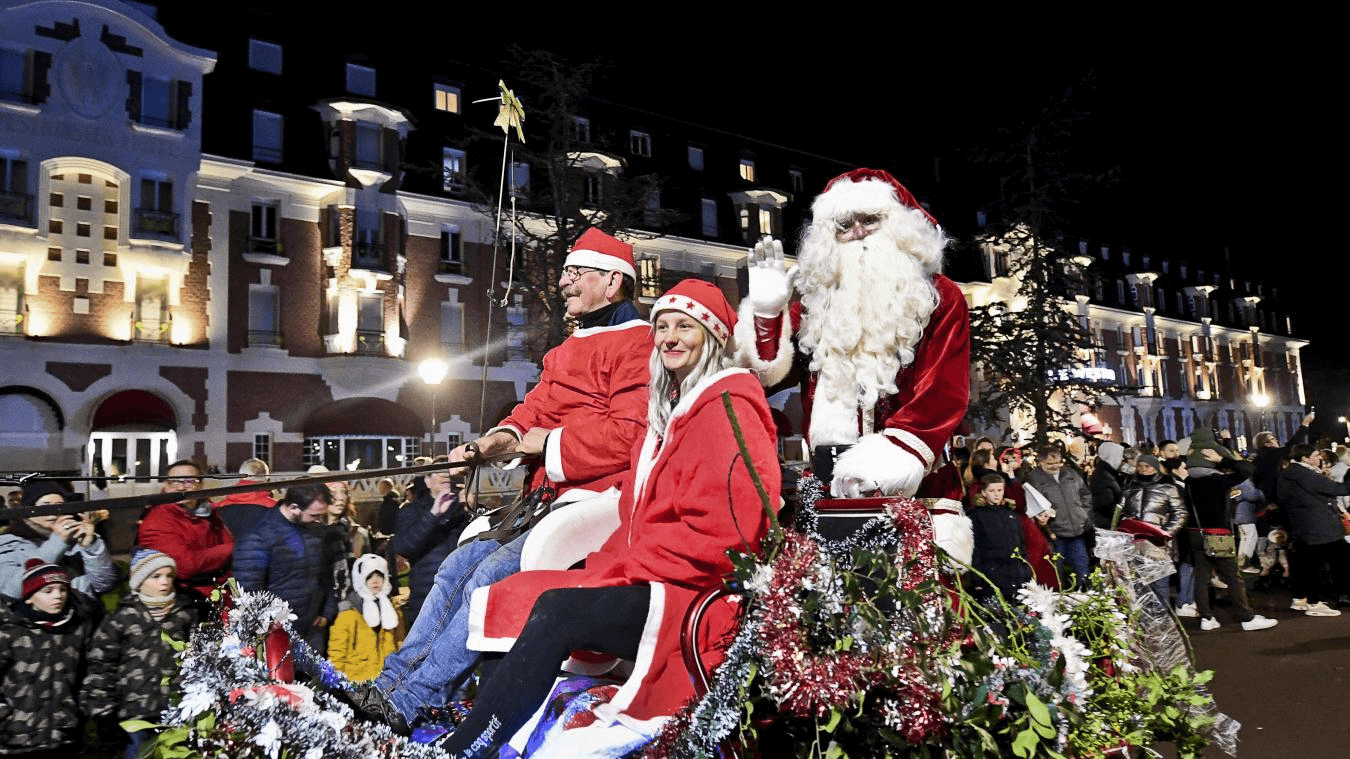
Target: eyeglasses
x,y
573,273
183,482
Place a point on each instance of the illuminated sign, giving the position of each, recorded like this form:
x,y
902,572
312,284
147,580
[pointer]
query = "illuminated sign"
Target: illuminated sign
x,y
1083,374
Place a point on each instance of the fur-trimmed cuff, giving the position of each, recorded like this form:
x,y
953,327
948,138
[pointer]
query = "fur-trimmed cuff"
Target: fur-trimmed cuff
x,y
876,462
553,461
772,370
913,443
953,533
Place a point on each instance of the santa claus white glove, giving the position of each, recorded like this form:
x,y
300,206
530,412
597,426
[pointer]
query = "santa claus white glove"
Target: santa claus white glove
x,y
770,280
875,463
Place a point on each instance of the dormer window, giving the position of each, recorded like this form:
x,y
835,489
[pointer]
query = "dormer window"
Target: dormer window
x,y
360,80
581,129
640,143
747,169
446,98
264,57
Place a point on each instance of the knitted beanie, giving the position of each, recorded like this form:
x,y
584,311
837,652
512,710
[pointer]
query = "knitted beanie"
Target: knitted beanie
x,y
32,491
38,574
146,562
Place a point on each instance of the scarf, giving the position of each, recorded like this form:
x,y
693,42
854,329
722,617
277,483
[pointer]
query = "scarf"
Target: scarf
x,y
158,606
43,619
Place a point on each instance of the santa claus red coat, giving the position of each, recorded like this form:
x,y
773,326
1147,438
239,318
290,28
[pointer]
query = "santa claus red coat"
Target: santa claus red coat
x,y
678,517
592,394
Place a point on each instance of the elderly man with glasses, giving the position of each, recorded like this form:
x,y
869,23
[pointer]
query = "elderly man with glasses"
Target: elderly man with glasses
x,y
189,531
582,421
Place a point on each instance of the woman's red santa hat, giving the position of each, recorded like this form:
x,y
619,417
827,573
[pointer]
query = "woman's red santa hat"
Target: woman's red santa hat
x,y
705,302
597,250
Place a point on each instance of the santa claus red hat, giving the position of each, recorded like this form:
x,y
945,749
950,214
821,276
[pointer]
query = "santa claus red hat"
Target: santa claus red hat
x,y
601,251
705,302
865,190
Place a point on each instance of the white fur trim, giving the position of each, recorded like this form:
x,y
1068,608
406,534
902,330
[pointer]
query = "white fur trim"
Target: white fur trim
x,y
478,641
913,442
597,260
695,310
566,536
506,428
954,534
770,371
630,324
876,463
651,630
652,443
846,198
553,463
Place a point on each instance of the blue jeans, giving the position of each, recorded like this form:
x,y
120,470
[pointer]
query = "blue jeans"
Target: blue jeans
x,y
1186,589
434,658
1073,560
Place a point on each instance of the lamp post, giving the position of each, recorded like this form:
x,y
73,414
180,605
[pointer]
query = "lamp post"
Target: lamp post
x,y
433,371
1261,401
1345,428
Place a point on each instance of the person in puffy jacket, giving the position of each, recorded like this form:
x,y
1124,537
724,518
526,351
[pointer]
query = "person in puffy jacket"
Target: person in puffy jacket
x,y
284,556
43,634
369,629
1151,496
131,666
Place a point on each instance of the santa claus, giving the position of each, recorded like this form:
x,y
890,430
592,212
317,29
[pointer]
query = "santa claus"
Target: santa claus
x,y
878,338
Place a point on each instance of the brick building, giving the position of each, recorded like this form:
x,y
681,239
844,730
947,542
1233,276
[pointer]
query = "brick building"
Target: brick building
x,y
241,238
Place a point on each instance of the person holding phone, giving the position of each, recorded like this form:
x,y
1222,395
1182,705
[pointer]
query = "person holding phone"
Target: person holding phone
x,y
67,540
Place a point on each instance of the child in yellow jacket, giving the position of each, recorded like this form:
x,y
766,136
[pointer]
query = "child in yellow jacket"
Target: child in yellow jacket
x,y
370,630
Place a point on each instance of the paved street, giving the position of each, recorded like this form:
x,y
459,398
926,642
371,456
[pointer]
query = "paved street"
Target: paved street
x,y
1288,685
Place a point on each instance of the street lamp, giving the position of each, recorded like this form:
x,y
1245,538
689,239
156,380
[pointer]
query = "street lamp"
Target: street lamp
x,y
433,371
1346,427
1261,401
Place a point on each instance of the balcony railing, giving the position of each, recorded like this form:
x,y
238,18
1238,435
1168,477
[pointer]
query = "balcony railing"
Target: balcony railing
x,y
369,343
269,245
264,337
16,207
163,224
368,255
11,323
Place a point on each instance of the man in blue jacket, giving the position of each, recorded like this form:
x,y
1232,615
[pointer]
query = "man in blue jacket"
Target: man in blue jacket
x,y
283,556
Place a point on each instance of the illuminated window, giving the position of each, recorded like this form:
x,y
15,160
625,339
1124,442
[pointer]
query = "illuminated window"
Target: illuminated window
x,y
263,228
447,98
452,170
747,170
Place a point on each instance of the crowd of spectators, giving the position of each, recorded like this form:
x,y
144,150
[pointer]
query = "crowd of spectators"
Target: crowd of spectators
x,y
84,635
1285,507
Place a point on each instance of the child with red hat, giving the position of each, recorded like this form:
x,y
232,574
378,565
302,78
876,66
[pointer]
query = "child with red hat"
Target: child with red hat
x,y
42,640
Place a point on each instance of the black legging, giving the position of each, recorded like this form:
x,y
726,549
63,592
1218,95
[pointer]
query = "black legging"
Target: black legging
x,y
563,620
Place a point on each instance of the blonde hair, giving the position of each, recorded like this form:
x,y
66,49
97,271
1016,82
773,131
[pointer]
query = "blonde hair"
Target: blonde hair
x,y
712,360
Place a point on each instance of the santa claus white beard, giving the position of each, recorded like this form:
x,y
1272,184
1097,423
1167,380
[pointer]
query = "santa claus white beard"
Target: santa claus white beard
x,y
866,304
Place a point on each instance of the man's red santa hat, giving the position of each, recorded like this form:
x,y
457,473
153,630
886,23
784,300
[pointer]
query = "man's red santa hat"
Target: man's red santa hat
x,y
703,301
597,250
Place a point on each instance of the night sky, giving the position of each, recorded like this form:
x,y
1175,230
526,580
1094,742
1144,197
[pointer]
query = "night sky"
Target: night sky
x,y
1217,131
